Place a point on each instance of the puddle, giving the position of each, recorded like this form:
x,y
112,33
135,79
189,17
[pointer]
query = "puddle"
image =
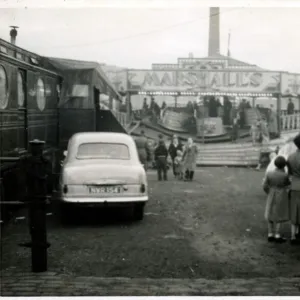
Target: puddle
x,y
173,236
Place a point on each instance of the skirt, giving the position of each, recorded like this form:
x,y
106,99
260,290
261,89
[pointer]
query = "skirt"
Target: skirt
x,y
295,207
277,206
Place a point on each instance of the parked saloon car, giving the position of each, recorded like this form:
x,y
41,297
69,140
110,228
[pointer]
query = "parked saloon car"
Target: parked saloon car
x,y
103,169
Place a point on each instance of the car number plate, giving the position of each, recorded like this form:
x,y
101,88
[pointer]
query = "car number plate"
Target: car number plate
x,y
105,189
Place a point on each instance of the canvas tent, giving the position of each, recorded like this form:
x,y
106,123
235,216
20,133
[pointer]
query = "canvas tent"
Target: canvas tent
x,y
81,78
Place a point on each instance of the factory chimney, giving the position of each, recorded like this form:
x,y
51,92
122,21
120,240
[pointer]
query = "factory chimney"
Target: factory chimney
x,y
13,34
214,31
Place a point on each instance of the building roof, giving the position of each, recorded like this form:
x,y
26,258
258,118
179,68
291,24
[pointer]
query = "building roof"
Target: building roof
x,y
71,64
232,62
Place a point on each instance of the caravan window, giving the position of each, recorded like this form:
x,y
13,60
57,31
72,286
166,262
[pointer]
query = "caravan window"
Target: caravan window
x,y
3,88
21,90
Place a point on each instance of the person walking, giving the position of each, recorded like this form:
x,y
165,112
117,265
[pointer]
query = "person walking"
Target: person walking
x,y
235,130
143,149
255,132
293,164
161,154
273,123
277,207
190,159
290,107
173,148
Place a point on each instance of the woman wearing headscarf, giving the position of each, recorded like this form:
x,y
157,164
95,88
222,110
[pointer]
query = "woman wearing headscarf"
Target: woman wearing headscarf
x,y
173,148
293,163
190,159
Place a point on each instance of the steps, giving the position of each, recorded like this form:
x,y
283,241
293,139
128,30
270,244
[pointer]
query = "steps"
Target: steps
x,y
241,154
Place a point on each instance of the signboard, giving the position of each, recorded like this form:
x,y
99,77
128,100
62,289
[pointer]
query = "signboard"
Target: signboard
x,y
151,80
212,127
204,81
290,84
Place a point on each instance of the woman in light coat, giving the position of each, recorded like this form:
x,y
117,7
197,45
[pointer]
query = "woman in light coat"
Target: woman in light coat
x,y
190,159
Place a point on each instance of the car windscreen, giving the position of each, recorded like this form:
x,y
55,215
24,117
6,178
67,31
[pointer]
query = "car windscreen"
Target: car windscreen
x,y
103,151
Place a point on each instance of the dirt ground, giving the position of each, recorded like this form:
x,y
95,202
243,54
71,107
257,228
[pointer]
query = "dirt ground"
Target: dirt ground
x,y
210,228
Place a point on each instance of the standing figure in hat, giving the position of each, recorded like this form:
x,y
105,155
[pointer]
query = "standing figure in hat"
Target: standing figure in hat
x,y
294,170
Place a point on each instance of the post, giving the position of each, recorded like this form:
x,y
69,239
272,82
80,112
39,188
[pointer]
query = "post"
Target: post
x,y
203,130
37,192
128,105
175,101
279,114
253,102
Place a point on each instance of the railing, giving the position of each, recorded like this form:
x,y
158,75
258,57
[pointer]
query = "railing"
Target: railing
x,y
290,122
284,112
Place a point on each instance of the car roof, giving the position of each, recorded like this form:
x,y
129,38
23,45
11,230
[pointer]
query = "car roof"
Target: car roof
x,y
106,137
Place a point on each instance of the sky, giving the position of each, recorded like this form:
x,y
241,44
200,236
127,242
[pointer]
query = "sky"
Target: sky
x,y
137,36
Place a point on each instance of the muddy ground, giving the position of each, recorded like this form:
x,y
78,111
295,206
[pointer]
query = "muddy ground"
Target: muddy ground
x,y
212,228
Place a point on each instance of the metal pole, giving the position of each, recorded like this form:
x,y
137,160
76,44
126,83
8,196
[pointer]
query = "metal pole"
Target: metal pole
x,y
279,114
37,171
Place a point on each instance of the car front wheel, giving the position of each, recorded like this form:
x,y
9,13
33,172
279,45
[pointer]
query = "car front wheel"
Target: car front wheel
x,y
138,211
65,214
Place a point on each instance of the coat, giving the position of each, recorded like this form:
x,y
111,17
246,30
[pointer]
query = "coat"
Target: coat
x,y
161,151
273,124
294,170
277,206
190,158
143,149
173,150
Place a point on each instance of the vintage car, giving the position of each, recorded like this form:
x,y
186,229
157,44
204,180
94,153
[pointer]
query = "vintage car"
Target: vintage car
x,y
102,168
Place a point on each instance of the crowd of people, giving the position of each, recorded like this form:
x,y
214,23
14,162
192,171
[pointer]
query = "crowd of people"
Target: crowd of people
x,y
283,196
183,157
282,188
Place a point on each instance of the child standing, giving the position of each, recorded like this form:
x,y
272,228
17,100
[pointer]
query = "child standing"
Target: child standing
x,y
178,165
277,207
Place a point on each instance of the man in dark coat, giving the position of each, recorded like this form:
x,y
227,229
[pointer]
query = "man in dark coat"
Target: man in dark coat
x,y
290,107
161,154
143,149
227,111
242,112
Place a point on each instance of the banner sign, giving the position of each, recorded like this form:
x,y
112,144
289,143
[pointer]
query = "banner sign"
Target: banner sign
x,y
290,84
204,81
211,127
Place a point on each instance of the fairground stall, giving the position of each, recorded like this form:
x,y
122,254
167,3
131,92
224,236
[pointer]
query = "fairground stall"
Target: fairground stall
x,y
203,96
